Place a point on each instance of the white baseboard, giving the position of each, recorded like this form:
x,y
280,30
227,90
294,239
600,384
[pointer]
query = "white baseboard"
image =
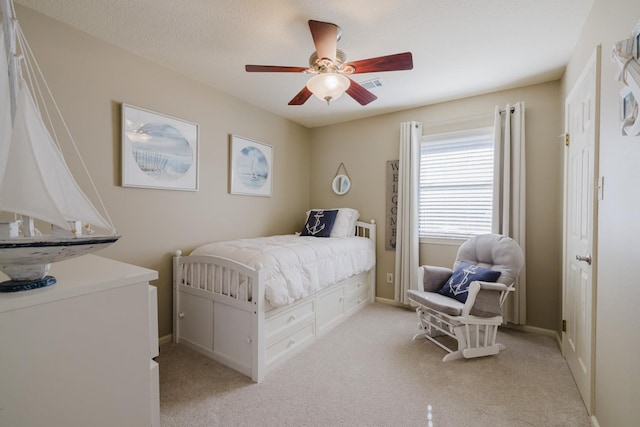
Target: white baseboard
x,y
594,421
392,302
165,339
540,331
534,329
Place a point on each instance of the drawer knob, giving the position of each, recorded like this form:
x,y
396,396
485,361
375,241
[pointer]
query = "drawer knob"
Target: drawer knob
x,y
249,340
291,319
181,315
291,342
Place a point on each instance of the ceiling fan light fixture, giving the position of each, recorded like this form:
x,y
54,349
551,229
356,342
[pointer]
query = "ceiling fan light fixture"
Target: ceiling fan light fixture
x,y
328,86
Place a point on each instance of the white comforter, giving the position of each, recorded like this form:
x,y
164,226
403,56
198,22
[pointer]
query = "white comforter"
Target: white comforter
x,y
297,266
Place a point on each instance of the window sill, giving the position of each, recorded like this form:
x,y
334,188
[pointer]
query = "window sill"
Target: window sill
x,y
457,241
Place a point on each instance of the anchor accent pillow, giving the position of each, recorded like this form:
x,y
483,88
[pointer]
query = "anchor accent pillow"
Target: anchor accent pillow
x,y
458,285
319,223
345,223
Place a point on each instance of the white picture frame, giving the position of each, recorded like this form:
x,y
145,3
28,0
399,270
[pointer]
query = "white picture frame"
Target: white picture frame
x,y
628,106
635,37
626,55
158,151
250,167
341,184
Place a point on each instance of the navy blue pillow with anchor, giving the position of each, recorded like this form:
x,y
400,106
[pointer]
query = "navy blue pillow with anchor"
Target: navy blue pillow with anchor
x,y
458,285
320,223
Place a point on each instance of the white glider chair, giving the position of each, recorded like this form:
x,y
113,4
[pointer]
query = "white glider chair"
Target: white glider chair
x,y
466,303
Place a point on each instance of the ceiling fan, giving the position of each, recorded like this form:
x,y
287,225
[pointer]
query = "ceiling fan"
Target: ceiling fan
x,y
330,70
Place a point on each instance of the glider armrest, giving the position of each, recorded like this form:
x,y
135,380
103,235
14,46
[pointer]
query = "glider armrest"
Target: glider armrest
x,y
432,278
485,299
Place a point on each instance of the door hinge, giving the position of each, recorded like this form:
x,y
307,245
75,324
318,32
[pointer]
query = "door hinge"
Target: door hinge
x,y
567,139
564,325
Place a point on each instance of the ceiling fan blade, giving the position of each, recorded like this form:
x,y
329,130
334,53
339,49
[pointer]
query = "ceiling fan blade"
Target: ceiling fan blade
x,y
273,69
397,62
360,94
325,38
301,97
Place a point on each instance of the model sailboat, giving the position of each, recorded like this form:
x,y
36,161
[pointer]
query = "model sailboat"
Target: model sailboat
x,y
35,181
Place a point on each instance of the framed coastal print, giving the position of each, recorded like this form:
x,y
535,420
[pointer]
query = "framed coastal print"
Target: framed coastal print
x,y
158,151
628,105
250,167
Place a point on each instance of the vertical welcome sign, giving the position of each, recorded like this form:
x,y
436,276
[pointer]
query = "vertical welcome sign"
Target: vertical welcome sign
x,y
392,204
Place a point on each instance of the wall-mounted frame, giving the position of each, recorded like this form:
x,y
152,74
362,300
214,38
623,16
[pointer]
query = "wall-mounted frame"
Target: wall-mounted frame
x,y
626,55
628,106
158,151
250,167
341,183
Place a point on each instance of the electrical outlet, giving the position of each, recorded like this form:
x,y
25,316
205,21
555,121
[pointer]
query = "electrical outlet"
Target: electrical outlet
x,y
389,277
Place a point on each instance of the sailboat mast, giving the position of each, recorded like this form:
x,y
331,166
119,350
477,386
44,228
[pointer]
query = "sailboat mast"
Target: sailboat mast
x,y
8,24
10,41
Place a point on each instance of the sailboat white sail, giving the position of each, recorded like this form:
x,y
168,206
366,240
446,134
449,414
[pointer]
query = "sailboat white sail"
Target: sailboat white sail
x,y
35,180
5,102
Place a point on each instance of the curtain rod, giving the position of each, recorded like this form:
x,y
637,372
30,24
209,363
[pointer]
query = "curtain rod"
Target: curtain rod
x,y
511,110
469,117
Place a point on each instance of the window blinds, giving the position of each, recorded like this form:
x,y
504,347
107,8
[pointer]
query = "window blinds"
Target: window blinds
x,y
456,184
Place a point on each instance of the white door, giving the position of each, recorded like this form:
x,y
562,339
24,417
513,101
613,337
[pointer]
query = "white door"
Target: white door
x,y
581,165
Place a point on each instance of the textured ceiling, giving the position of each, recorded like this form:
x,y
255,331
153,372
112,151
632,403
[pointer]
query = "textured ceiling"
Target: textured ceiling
x,y
460,47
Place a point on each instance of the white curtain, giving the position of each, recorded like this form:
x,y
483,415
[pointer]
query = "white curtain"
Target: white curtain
x,y
510,195
407,238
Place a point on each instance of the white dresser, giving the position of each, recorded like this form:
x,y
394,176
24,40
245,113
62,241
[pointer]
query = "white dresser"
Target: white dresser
x,y
79,353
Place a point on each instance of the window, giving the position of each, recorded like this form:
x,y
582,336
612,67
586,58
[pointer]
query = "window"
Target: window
x,y
456,184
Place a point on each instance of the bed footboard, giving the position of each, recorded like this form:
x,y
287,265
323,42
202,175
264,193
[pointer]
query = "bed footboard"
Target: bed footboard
x,y
219,311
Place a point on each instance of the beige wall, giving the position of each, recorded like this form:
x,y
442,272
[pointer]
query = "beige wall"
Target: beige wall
x,y
90,79
365,145
617,340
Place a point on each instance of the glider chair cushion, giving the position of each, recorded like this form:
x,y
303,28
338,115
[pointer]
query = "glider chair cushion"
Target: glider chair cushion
x,y
466,302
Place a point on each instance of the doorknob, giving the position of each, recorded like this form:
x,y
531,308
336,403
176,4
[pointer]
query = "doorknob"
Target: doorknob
x,y
586,258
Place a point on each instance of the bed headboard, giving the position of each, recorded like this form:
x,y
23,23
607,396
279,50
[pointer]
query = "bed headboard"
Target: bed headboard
x,y
366,229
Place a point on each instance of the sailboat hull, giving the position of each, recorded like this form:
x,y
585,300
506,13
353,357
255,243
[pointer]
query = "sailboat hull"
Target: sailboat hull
x,y
26,260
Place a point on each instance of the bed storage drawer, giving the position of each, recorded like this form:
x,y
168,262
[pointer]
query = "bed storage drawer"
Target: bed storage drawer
x,y
289,344
357,301
357,285
288,320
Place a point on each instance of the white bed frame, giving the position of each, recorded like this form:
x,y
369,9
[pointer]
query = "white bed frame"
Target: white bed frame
x,y
242,333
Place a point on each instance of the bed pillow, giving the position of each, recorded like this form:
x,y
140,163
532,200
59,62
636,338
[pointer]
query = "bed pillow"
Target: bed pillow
x,y
345,224
319,223
458,285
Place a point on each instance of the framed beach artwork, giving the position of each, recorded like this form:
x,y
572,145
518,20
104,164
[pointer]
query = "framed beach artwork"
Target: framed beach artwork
x,y
158,151
626,55
628,106
250,167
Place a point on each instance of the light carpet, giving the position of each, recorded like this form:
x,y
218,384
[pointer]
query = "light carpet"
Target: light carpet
x,y
368,372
